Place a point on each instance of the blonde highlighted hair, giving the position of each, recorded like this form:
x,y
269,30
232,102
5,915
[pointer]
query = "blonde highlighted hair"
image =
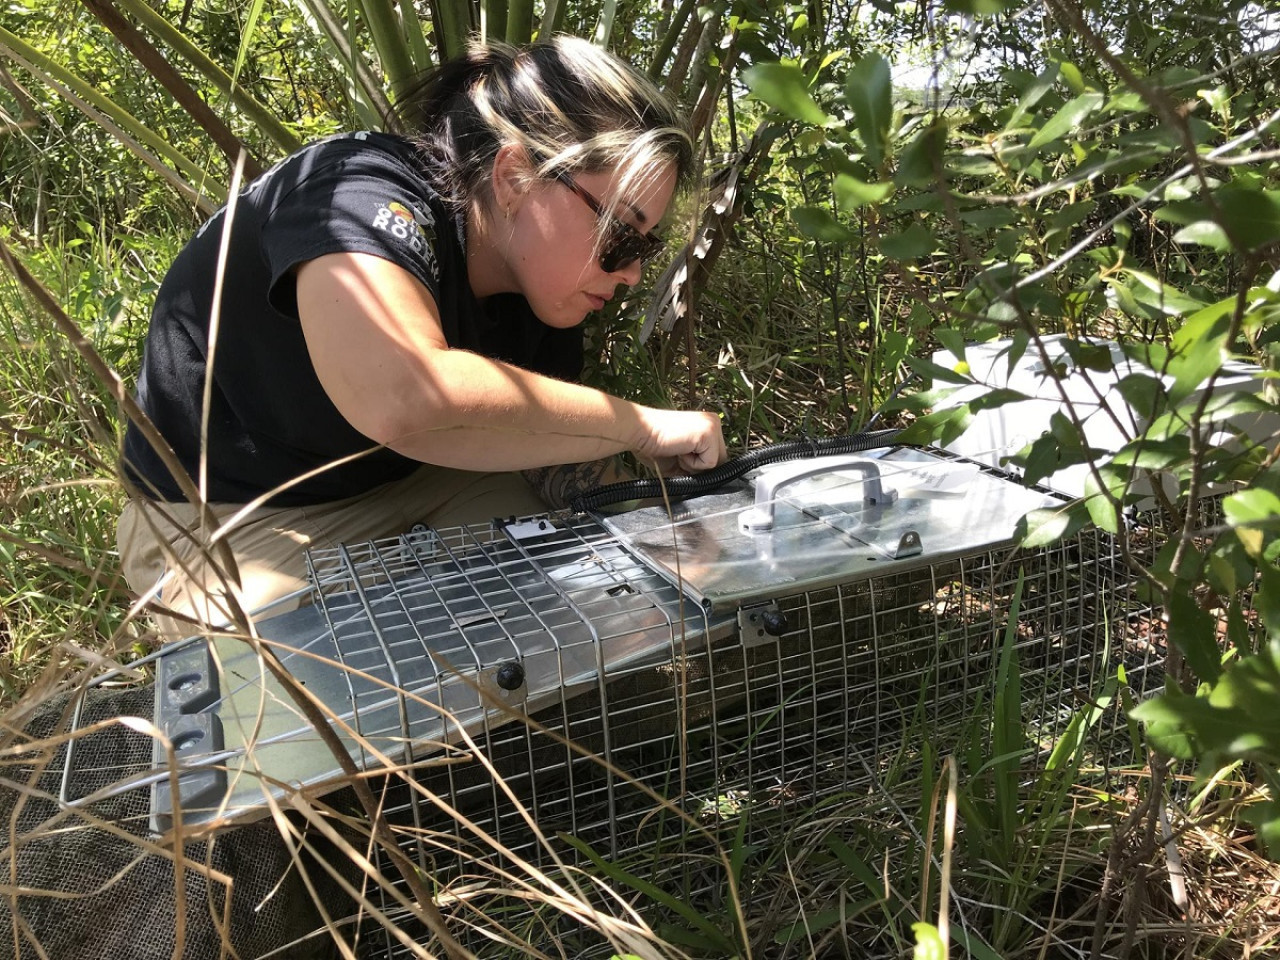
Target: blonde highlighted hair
x,y
571,106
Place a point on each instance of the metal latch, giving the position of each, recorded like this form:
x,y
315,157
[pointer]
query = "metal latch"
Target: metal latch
x,y
526,529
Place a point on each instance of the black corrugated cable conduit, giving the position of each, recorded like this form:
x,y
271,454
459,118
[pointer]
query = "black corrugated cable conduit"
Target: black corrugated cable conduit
x,y
683,488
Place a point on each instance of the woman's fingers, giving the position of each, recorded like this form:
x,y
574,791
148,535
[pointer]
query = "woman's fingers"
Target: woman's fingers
x,y
683,441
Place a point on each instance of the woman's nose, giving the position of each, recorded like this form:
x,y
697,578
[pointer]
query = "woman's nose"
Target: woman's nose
x,y
630,274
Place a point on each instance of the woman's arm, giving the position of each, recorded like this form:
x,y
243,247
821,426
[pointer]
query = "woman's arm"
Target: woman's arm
x,y
375,340
559,485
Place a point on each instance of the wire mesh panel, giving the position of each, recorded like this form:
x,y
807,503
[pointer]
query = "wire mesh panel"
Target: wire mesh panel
x,y
834,703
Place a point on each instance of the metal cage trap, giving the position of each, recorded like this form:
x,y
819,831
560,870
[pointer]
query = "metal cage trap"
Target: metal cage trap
x,y
767,648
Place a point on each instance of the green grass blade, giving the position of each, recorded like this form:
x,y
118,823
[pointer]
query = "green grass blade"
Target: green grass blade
x,y
365,90
414,38
389,41
604,28
623,876
243,101
453,23
1008,741
520,21
246,38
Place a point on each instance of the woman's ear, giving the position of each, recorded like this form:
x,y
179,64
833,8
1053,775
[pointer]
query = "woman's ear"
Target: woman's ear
x,y
511,178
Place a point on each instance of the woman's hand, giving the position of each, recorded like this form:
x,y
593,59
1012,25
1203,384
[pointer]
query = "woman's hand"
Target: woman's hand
x,y
678,442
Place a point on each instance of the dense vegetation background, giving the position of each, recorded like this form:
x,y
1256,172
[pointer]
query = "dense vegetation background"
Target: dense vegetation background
x,y
884,179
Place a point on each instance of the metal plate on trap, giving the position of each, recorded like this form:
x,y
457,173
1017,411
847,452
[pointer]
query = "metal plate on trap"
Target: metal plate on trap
x,y
822,530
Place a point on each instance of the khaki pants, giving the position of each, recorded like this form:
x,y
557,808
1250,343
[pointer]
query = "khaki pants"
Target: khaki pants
x,y
161,543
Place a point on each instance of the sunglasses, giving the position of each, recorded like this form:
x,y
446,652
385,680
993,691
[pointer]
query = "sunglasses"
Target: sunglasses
x,y
623,244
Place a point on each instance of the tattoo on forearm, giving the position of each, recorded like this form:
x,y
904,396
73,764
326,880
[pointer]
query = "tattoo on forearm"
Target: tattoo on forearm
x,y
559,485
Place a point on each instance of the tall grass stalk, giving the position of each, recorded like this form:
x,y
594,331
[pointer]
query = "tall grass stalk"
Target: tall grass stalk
x,y
58,492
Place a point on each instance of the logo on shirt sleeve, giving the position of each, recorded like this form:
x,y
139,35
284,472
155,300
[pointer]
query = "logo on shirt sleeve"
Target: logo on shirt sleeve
x,y
413,227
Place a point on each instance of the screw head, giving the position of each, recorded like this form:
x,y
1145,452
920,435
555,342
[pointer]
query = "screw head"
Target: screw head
x,y
775,623
510,676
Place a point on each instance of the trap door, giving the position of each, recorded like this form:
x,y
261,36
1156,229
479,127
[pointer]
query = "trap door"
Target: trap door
x,y
804,525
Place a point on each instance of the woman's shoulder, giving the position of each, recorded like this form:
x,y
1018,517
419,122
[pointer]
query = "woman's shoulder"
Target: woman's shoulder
x,y
370,147
346,165
358,142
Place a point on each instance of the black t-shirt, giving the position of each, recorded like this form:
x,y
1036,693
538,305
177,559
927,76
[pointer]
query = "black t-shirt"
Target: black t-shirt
x,y
270,420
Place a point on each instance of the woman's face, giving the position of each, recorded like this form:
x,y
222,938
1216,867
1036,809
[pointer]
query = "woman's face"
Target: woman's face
x,y
553,247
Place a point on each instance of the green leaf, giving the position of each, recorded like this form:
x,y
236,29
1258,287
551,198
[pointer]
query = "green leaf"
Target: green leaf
x,y
993,399
1162,296
977,948
1238,720
1147,453
1018,345
852,193
1102,511
819,224
1204,233
920,161
1071,76
929,945
1090,356
861,870
1265,816
1251,216
1250,692
1195,633
911,243
1067,119
1169,722
250,28
1246,218
818,921
936,371
1039,87
783,87
1040,458
987,218
1066,433
1071,214
1267,600
869,92
938,428
952,339
1196,352
1256,508
1218,99
1043,528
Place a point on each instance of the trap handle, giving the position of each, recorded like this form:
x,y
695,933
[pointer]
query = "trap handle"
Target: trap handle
x,y
759,517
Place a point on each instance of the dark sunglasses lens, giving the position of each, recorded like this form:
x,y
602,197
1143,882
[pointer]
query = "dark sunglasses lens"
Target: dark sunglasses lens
x,y
625,248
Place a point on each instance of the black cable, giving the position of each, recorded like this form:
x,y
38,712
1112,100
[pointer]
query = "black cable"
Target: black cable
x,y
682,488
